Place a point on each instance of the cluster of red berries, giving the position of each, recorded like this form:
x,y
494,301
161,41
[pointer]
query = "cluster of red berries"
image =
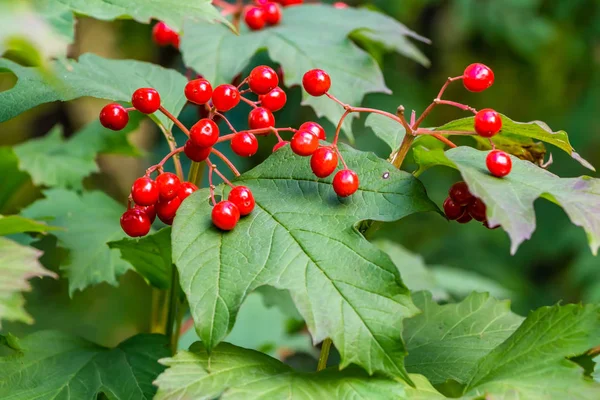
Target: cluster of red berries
x,y
263,13
163,35
461,206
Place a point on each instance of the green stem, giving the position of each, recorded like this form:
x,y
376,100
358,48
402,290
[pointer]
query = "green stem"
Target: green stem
x,y
173,313
196,173
324,354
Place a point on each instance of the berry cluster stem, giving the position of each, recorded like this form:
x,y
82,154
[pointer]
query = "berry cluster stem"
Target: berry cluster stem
x,y
324,355
172,146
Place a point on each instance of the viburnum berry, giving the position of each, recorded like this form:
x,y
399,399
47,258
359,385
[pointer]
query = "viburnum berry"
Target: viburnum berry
x,y
280,145
452,209
225,97
478,77
477,210
316,82
204,133
263,79
144,191
274,100
304,143
244,144
465,218
340,5
459,192
167,209
149,210
488,122
186,189
498,163
168,185
255,18
323,162
242,197
198,91
272,13
286,3
345,183
163,35
196,153
146,100
315,129
135,223
225,215
114,116
260,118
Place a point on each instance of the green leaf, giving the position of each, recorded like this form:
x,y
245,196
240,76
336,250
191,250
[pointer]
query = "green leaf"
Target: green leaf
x,y
55,365
16,224
446,342
460,282
90,220
390,131
12,179
596,374
11,341
17,265
93,76
95,139
150,256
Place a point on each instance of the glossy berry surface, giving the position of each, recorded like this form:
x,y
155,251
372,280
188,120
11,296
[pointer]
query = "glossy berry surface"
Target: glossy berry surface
x,y
477,210
144,191
323,162
272,13
279,145
225,97
260,118
244,144
167,209
255,18
168,185
263,79
315,129
274,100
488,122
459,192
204,133
198,91
498,163
186,189
466,218
345,183
478,77
135,223
163,35
114,116
196,153
304,143
225,215
452,209
146,100
242,197
149,210
316,82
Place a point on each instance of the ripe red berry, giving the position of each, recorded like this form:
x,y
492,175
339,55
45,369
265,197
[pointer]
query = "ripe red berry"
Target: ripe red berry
x,y
163,35
260,118
263,79
487,122
477,210
345,183
225,97
323,162
304,143
225,215
114,116
196,153
185,189
244,144
204,133
135,223
452,209
198,91
498,163
272,13
168,185
146,100
274,100
167,209
149,210
280,145
340,5
287,3
459,192
465,218
144,191
478,77
255,18
242,197
316,82
315,129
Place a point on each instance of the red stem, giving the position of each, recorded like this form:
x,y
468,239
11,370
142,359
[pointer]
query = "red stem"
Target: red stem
x,y
164,160
245,100
226,121
174,119
226,161
258,132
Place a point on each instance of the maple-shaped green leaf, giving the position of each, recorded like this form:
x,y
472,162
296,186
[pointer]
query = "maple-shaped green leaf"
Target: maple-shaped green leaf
x,y
386,129
302,237
510,199
299,44
93,76
446,342
12,224
12,181
55,365
90,220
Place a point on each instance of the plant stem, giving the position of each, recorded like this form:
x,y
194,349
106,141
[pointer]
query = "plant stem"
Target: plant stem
x,y
398,157
172,145
324,354
173,303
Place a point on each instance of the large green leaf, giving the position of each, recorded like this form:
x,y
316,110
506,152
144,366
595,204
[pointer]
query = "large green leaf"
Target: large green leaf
x,y
55,365
302,237
386,129
16,224
90,220
12,179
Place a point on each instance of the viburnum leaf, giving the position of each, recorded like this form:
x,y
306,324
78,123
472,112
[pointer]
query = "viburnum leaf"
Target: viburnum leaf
x,y
510,199
93,76
12,179
90,220
302,237
55,365
390,131
12,224
446,342
298,44
596,373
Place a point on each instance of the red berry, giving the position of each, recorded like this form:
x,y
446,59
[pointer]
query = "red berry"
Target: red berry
x,y
168,185
149,210
225,215
146,100
340,5
315,129
465,218
260,118
286,3
323,162
272,13
196,153
175,42
280,145
477,210
204,133
274,100
478,77
263,79
487,122
316,82
198,91
255,18
345,183
242,197
304,143
135,223
185,190
459,192
163,35
166,209
144,191
225,97
498,163
244,144
452,209
114,116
